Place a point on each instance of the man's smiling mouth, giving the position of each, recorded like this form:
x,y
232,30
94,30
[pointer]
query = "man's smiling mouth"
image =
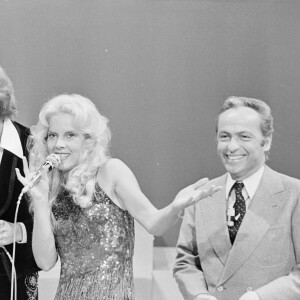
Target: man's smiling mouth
x,y
234,157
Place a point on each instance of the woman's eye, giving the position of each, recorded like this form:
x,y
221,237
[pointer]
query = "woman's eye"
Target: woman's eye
x,y
51,136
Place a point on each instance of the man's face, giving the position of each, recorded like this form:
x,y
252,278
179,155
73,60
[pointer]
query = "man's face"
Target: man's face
x,y
4,94
4,107
241,145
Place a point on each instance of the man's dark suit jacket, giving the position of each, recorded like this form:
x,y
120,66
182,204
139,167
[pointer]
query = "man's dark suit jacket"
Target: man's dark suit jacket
x,y
10,188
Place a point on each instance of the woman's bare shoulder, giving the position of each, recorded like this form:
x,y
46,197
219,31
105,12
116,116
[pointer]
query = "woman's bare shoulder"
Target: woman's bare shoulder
x,y
113,169
114,164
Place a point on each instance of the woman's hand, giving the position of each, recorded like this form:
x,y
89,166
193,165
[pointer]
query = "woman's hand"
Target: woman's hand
x,y
194,193
40,190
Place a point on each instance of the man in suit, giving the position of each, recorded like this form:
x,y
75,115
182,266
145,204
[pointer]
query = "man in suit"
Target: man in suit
x,y
13,138
243,242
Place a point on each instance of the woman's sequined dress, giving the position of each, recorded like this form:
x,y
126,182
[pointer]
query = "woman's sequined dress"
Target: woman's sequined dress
x,y
95,246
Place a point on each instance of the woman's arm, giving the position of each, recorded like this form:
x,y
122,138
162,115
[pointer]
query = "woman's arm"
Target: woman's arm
x,y
43,243
155,221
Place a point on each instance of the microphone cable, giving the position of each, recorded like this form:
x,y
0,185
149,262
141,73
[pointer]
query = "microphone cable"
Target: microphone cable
x,y
53,160
13,280
13,270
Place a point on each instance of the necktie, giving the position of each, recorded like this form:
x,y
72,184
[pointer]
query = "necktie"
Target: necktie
x,y
240,210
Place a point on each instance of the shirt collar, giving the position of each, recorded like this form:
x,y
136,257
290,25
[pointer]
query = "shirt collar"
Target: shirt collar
x,y
251,183
10,139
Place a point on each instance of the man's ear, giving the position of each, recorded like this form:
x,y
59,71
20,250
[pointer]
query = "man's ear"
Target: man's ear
x,y
267,142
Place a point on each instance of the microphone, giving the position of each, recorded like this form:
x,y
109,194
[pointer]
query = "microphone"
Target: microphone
x,y
52,161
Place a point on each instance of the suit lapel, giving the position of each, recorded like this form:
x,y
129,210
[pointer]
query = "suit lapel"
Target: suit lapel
x,y
213,211
265,206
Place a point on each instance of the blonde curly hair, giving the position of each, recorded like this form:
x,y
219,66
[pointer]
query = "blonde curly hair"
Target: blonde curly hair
x,y
81,179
